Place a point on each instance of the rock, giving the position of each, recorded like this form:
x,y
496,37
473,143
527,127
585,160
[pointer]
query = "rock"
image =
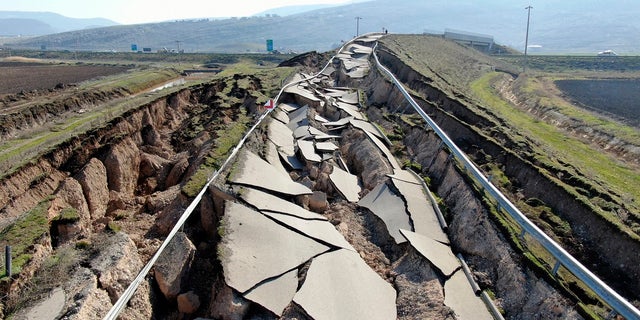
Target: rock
x,y
173,264
152,165
227,304
123,165
96,303
93,179
119,201
318,202
177,171
139,307
150,136
87,300
168,216
161,199
364,158
212,208
69,212
324,183
306,181
65,232
188,302
313,172
117,264
70,194
148,186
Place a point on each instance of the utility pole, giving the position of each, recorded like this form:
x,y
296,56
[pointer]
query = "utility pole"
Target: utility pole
x,y
526,41
358,26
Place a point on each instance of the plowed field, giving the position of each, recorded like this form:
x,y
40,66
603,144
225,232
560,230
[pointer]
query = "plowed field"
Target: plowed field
x,y
17,77
614,96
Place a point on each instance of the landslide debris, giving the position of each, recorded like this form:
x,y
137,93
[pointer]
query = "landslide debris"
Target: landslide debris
x,y
106,199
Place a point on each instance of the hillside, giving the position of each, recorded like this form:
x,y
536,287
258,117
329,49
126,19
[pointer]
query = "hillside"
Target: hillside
x,y
557,27
17,23
560,164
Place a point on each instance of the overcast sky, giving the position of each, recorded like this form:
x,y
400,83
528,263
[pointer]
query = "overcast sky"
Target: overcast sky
x,y
143,11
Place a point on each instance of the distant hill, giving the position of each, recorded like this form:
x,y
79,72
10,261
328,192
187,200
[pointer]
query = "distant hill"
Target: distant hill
x,y
18,23
557,26
289,10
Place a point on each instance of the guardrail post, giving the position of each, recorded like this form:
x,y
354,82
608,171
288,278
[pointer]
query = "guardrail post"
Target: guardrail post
x,y
556,267
7,260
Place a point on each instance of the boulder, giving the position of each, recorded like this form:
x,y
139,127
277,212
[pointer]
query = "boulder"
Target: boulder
x,y
212,208
188,302
93,179
318,202
117,264
123,165
178,170
70,194
69,212
161,199
173,264
152,165
119,201
151,136
87,300
227,304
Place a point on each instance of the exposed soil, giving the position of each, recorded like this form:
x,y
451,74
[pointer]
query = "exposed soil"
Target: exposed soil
x,y
141,159
619,98
20,77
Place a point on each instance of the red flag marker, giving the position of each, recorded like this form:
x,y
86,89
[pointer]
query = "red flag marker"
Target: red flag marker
x,y
270,104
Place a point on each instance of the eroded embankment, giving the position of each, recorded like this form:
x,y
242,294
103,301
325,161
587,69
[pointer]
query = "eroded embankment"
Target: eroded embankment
x,y
106,198
514,90
19,119
597,243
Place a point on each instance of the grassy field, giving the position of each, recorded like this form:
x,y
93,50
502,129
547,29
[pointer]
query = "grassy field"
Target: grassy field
x,y
17,152
618,97
604,183
576,64
145,72
555,149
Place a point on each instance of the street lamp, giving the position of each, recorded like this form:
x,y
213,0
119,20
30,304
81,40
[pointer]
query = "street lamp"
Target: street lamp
x,y
526,41
358,26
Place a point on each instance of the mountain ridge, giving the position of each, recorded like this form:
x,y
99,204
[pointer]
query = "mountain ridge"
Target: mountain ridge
x,y
35,23
554,28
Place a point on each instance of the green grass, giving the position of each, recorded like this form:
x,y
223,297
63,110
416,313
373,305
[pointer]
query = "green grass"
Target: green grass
x,y
226,141
68,215
555,148
17,152
22,234
535,88
139,81
270,80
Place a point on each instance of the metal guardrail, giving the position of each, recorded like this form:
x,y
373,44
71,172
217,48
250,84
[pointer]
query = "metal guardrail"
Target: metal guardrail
x,y
133,286
608,295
